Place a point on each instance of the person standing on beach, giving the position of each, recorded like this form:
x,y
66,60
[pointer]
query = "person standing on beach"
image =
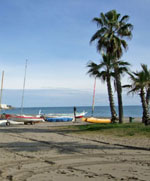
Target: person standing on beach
x,y
74,110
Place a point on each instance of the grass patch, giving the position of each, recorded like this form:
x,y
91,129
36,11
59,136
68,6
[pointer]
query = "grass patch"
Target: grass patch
x,y
126,129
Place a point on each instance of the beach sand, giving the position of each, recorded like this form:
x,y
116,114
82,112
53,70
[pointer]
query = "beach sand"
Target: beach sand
x,y
43,152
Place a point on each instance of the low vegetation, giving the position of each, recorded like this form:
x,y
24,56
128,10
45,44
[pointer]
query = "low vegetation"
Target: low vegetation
x,y
121,130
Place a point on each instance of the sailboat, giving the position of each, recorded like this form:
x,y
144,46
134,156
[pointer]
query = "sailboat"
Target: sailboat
x,y
3,120
3,106
26,119
22,117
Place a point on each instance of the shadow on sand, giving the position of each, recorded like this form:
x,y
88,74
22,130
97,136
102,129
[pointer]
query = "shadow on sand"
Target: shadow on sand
x,y
33,144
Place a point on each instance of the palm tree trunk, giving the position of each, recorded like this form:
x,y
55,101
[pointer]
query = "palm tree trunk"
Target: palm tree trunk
x,y
119,95
148,100
111,101
144,106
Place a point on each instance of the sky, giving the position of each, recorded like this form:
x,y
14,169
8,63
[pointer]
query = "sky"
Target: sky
x,y
54,35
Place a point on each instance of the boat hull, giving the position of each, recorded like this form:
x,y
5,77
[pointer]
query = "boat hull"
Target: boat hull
x,y
63,115
96,120
58,119
24,118
10,122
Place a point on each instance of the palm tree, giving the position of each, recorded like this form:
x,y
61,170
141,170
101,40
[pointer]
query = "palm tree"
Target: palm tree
x,y
147,74
104,72
110,39
139,82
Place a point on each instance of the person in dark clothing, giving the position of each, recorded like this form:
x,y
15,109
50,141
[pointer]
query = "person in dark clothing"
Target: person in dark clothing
x,y
74,110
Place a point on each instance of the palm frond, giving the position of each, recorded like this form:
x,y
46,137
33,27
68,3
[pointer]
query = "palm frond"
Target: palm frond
x,y
98,21
124,44
122,63
104,19
124,19
97,35
126,86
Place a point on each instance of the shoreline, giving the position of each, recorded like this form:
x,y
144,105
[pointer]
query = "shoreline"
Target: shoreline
x,y
99,111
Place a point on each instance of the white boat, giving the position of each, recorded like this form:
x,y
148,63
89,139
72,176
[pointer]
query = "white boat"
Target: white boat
x,y
8,123
80,115
5,106
24,118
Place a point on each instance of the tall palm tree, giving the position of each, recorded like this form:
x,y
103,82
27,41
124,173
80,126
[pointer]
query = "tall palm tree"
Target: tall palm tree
x,y
104,71
139,85
110,39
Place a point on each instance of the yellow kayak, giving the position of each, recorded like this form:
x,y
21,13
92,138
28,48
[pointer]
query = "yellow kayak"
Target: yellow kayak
x,y
96,120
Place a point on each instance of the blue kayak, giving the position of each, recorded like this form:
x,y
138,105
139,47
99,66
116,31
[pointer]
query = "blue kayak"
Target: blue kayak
x,y
58,119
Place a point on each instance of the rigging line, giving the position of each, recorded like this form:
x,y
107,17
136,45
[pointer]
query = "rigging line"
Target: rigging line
x,y
1,89
23,87
93,97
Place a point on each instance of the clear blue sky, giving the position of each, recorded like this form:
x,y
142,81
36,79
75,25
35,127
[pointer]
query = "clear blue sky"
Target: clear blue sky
x,y
54,36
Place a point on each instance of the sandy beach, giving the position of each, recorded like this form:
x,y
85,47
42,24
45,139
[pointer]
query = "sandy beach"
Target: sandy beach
x,y
43,152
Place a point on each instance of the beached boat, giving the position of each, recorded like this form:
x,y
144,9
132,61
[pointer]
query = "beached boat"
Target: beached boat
x,y
80,115
58,119
24,118
10,122
62,115
4,123
96,120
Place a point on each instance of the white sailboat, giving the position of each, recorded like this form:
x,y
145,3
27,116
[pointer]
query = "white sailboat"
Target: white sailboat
x,y
3,106
4,122
22,117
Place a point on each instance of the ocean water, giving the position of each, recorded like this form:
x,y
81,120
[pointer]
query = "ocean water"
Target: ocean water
x,y
99,111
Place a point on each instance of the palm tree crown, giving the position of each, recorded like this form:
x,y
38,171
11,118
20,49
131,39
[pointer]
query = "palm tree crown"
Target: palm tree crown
x,y
113,30
102,70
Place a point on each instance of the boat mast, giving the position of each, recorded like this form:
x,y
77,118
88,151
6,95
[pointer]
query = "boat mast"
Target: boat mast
x,y
1,89
93,96
23,87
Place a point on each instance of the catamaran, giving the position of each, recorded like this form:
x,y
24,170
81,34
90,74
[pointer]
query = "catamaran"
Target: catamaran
x,y
11,118
24,118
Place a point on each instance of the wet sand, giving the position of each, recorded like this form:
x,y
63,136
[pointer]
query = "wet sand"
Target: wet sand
x,y
43,152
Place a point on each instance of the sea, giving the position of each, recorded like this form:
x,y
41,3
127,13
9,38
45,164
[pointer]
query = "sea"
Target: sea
x,y
99,111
